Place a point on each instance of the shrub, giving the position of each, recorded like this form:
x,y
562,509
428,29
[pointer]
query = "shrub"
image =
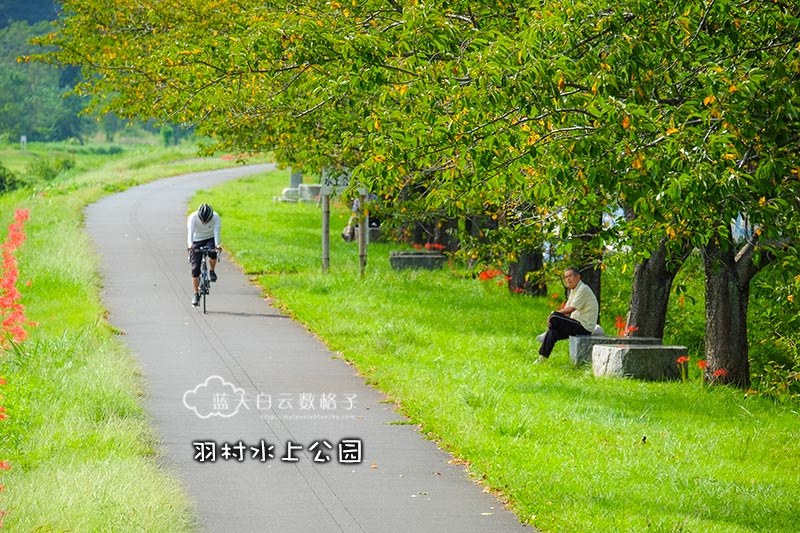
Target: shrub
x,y
8,180
47,169
779,382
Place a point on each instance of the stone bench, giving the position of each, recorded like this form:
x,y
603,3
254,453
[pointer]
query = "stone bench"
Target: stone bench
x,y
419,259
649,362
289,194
309,192
580,346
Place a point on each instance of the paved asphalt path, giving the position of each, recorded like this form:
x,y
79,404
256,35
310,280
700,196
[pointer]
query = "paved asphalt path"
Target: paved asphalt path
x,y
227,385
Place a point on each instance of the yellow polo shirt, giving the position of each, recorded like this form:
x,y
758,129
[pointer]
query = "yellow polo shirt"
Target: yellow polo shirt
x,y
586,307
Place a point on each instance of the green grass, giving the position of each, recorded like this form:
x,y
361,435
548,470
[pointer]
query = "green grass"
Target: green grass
x,y
82,452
565,449
568,451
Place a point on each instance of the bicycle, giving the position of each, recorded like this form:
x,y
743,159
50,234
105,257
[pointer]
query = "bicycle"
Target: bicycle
x,y
205,279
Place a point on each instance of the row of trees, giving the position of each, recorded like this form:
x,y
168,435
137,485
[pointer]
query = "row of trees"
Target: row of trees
x,y
35,99
31,11
676,117
32,101
31,96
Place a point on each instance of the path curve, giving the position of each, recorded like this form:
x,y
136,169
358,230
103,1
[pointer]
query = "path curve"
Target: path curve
x,y
245,373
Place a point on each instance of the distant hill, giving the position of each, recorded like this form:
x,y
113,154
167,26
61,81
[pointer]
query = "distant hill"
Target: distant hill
x,y
30,11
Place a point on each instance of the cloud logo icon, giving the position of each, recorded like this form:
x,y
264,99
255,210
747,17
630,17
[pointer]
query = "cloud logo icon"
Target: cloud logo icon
x,y
214,397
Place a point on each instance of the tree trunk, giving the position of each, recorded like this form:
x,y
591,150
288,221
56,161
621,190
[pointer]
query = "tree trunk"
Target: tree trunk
x,y
588,260
518,272
726,318
591,275
652,284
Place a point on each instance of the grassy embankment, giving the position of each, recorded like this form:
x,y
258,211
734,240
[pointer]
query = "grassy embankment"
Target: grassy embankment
x,y
570,452
81,451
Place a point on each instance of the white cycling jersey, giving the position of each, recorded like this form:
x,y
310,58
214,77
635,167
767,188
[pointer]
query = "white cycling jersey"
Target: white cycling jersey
x,y
199,231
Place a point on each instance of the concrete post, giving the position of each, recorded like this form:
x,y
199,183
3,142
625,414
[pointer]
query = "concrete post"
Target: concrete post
x,y
326,233
295,178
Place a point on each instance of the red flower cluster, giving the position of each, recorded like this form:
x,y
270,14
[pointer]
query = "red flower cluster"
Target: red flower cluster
x,y
720,372
492,273
623,329
12,312
486,275
702,365
430,246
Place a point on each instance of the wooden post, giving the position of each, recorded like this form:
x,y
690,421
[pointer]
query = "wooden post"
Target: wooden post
x,y
326,233
362,230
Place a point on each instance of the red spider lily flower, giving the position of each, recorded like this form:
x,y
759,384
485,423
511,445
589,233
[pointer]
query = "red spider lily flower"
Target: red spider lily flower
x,y
554,296
12,316
4,465
622,327
682,360
489,274
720,372
702,364
417,246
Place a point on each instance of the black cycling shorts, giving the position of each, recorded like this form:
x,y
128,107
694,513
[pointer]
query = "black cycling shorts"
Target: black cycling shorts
x,y
195,258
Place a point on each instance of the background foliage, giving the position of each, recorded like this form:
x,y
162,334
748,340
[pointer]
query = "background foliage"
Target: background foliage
x,y
673,120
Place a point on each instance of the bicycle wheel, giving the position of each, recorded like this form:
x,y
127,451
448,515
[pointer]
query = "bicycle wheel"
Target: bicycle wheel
x,y
205,283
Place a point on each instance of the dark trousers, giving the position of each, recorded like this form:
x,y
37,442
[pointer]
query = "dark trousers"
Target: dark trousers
x,y
559,327
195,258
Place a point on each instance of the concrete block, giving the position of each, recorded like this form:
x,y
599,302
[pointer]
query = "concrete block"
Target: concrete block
x,y
580,346
309,192
648,362
288,194
417,259
373,234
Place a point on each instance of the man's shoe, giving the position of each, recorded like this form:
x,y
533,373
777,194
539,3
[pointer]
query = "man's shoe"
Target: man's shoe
x,y
212,275
196,299
540,337
541,360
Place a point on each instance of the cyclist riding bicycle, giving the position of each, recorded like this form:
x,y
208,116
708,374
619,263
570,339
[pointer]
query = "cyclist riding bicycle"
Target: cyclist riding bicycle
x,y
203,232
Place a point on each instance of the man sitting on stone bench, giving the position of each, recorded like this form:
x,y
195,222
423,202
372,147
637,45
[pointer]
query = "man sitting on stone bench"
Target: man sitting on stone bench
x,y
577,317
